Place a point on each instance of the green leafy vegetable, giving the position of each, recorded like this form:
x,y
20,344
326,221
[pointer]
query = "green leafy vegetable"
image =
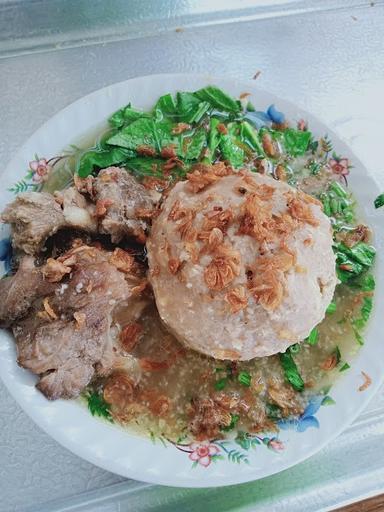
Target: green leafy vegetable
x,y
331,308
144,132
296,141
218,99
291,371
165,107
352,261
125,116
244,378
195,145
99,159
145,166
379,201
98,406
313,337
295,349
230,147
213,140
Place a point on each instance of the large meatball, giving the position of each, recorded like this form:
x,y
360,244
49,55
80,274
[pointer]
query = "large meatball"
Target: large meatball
x,y
241,265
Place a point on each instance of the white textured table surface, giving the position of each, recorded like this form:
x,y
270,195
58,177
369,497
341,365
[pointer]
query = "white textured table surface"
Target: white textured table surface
x,y
331,63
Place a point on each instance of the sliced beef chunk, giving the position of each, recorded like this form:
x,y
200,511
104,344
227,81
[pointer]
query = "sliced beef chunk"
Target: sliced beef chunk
x,y
33,216
68,330
19,291
123,204
114,204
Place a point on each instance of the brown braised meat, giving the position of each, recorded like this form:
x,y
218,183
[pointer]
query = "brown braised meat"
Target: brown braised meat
x,y
114,203
122,204
67,330
19,291
35,216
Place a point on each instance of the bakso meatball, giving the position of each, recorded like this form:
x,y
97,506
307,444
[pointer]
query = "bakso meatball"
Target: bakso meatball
x,y
241,264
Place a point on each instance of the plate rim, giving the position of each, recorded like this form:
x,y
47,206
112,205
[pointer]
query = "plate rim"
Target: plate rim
x,y
170,478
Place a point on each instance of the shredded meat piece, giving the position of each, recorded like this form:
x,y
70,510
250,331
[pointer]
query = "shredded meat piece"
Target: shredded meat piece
x,y
207,419
330,363
215,219
122,260
146,150
301,211
158,403
281,260
174,265
130,335
204,175
180,128
267,289
284,396
237,299
256,220
222,269
367,382
268,145
119,390
102,207
360,233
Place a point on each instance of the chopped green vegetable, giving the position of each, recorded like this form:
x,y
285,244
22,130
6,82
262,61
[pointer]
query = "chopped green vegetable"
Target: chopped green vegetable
x,y
146,166
218,99
98,406
313,337
358,337
213,140
379,201
337,354
365,313
331,308
250,107
221,383
352,261
244,378
234,420
338,189
291,371
345,367
250,137
327,400
295,349
296,141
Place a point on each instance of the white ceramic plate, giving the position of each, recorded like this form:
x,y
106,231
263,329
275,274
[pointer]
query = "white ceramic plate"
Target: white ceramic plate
x,y
218,464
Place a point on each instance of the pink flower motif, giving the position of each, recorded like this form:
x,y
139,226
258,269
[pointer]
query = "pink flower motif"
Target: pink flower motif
x,y
302,125
339,166
203,452
40,169
275,445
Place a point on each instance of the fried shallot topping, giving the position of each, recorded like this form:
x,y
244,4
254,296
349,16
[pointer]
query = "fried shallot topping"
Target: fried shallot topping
x,y
222,269
122,260
130,335
300,210
54,271
237,299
